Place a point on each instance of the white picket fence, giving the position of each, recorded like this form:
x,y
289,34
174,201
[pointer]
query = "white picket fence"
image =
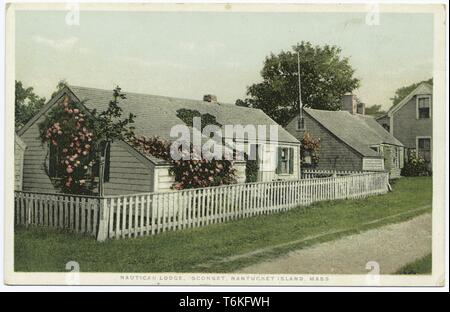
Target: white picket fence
x,y
77,213
136,215
316,173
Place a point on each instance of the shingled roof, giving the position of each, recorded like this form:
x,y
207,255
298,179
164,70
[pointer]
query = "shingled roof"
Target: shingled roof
x,y
156,115
358,131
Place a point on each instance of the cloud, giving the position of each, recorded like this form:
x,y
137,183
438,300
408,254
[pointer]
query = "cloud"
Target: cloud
x,y
61,44
187,46
144,63
211,46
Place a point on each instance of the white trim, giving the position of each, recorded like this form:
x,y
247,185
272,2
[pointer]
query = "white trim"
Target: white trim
x,y
425,96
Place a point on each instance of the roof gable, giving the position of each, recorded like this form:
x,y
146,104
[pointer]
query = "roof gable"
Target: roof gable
x,y
360,132
422,89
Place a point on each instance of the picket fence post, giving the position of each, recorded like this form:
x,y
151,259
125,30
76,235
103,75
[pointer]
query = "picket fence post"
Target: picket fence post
x,y
103,225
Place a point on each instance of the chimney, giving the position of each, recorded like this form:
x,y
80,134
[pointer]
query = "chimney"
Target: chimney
x,y
361,108
349,103
210,98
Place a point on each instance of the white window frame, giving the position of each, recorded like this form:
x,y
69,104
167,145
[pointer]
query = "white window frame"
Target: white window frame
x,y
289,149
417,105
431,145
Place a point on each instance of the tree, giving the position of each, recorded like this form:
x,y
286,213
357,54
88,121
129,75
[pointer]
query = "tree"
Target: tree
x,y
61,85
325,78
26,105
403,92
109,126
374,110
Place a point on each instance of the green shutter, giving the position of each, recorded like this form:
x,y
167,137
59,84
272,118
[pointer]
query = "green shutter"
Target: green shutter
x,y
52,161
291,160
277,171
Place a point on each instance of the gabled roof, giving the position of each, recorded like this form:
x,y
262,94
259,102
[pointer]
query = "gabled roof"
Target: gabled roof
x,y
156,115
360,132
422,89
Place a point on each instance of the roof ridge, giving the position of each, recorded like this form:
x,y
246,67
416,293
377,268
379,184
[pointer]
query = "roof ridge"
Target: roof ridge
x,y
165,97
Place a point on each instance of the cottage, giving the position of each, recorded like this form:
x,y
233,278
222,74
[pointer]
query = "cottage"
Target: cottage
x,y
350,140
410,121
129,171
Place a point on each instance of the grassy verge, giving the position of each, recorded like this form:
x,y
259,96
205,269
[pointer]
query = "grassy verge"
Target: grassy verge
x,y
420,266
203,249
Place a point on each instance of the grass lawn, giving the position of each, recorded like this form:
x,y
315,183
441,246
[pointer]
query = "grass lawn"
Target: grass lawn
x,y
420,266
202,249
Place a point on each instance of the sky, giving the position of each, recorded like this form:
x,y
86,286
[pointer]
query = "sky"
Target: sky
x,y
190,54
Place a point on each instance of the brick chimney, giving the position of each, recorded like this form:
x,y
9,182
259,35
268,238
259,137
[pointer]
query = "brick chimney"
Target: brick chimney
x,y
210,98
361,108
350,104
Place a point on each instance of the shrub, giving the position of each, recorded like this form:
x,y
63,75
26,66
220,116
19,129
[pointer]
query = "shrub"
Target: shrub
x,y
310,147
416,166
190,173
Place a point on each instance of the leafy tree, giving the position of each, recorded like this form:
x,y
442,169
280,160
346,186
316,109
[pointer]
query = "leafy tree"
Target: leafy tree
x,y
403,92
27,104
61,84
374,110
325,77
109,126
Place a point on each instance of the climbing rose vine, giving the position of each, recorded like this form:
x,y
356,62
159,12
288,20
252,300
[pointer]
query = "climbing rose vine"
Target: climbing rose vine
x,y
310,147
79,137
189,173
67,130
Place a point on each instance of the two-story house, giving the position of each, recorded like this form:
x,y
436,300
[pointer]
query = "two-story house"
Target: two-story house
x,y
410,121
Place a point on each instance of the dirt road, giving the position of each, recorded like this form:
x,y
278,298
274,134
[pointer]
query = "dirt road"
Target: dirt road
x,y
391,246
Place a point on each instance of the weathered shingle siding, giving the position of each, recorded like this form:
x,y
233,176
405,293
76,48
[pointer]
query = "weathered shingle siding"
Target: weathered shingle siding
x,y
127,173
406,126
35,178
334,154
19,150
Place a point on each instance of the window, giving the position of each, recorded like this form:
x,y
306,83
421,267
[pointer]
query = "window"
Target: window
x,y
423,107
395,157
301,123
285,160
424,148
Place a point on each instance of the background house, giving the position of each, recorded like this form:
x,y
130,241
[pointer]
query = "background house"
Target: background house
x,y
129,171
410,121
349,140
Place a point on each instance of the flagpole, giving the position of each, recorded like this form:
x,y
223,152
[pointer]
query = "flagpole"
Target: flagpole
x,y
300,104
